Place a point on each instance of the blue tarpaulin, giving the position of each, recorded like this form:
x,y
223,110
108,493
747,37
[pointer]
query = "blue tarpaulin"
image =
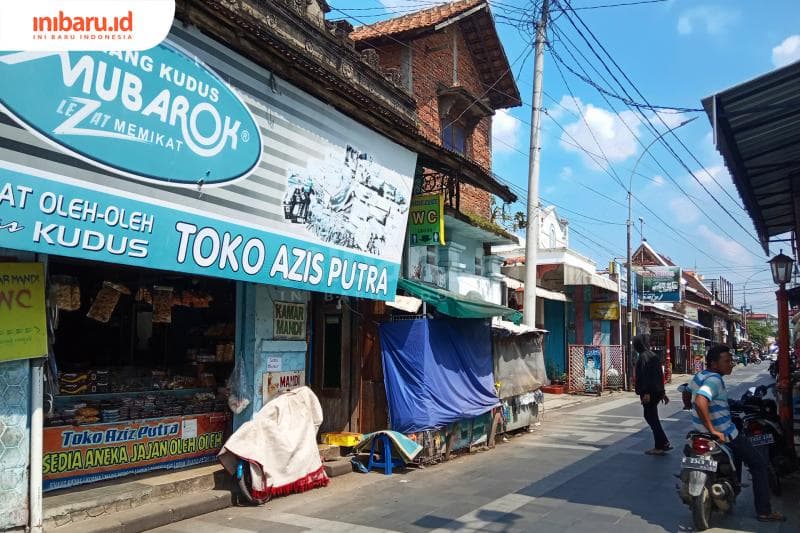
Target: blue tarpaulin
x,y
437,372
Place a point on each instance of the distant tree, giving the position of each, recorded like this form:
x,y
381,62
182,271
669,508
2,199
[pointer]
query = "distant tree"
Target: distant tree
x,y
759,332
520,220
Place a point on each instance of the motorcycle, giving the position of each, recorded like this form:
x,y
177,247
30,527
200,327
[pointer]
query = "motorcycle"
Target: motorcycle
x,y
708,477
761,424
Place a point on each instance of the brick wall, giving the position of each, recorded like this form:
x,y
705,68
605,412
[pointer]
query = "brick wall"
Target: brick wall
x,y
432,67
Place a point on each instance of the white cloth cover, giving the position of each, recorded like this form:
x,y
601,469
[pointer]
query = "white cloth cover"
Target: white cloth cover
x,y
280,443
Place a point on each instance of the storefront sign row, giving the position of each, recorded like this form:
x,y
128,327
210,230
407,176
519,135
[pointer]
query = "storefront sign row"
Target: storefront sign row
x,y
177,178
74,455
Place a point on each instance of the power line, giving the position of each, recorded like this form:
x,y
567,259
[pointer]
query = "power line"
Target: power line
x,y
649,122
654,129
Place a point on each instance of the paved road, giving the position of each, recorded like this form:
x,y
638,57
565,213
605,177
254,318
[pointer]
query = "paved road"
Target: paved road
x,y
582,470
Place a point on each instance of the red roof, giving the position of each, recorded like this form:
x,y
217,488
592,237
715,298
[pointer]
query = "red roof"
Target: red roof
x,y
476,24
418,20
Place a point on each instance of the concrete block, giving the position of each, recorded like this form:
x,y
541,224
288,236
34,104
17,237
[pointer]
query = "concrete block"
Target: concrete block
x,y
329,452
338,468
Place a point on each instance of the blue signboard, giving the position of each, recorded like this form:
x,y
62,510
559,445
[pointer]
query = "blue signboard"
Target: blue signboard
x,y
171,173
157,116
54,215
659,284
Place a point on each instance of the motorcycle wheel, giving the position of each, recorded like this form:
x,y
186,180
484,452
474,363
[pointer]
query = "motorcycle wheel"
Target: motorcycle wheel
x,y
774,482
701,510
244,487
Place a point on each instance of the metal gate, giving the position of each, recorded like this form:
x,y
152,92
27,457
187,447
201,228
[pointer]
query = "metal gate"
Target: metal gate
x,y
593,369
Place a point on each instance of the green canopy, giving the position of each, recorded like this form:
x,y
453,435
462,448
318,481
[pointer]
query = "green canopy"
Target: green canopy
x,y
455,305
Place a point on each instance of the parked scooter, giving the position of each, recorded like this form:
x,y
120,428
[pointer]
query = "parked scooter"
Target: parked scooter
x,y
762,425
708,478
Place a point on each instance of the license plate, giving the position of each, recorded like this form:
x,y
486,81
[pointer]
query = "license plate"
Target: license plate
x,y
762,440
699,463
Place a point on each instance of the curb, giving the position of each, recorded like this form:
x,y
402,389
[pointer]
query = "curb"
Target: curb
x,y
153,515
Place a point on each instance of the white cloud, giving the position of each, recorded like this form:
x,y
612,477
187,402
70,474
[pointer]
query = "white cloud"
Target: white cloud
x,y
505,132
711,173
670,118
714,20
658,180
685,212
604,128
726,248
567,104
566,174
786,52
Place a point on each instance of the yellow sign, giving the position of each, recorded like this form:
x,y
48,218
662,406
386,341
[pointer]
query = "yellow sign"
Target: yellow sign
x,y
604,311
426,220
23,328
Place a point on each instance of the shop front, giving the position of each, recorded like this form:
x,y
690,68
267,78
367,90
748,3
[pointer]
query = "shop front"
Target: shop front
x,y
185,204
138,371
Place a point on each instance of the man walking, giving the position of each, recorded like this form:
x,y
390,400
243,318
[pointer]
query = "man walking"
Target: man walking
x,y
650,388
712,414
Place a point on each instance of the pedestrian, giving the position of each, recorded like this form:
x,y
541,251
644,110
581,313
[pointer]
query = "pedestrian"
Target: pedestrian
x,y
712,414
650,388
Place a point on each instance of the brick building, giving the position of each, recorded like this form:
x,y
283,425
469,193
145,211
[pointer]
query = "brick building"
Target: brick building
x,y
452,62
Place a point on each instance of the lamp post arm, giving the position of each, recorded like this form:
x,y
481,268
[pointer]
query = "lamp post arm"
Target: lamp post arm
x,y
628,223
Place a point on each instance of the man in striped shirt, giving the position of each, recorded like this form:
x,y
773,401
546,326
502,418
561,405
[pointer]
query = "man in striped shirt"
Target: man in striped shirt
x,y
711,414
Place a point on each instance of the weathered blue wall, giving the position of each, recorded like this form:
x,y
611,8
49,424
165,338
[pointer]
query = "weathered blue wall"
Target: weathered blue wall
x,y
256,339
555,348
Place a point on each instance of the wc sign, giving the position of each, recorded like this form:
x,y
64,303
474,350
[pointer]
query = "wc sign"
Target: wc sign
x,y
23,332
426,220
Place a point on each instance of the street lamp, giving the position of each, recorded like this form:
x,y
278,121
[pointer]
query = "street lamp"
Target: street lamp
x,y
629,223
781,266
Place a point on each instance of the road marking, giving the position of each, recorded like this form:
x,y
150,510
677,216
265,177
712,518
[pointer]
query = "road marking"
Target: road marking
x,y
320,524
595,437
580,447
472,521
632,418
606,406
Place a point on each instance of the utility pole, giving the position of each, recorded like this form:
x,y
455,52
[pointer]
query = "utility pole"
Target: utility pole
x,y
532,225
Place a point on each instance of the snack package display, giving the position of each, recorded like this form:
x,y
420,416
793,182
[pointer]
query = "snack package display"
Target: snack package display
x,y
66,292
162,305
106,301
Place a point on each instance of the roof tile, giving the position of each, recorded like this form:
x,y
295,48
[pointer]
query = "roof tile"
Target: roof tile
x,y
414,21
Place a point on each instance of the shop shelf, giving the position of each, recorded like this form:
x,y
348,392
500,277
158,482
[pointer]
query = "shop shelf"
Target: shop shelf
x,y
112,395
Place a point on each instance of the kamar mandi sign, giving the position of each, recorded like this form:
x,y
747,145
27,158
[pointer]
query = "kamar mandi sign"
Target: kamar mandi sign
x,y
290,321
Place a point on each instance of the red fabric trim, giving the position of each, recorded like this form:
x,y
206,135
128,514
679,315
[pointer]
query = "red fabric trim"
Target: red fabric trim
x,y
315,479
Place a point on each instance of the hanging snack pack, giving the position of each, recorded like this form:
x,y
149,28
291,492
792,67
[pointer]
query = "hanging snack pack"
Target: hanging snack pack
x,y
67,293
106,301
162,305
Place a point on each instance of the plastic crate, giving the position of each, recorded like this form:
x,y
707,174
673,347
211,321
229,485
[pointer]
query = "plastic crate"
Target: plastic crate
x,y
344,439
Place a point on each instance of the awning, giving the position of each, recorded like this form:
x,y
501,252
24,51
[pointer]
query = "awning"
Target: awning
x,y
541,292
663,312
693,324
757,127
552,295
455,305
574,275
509,327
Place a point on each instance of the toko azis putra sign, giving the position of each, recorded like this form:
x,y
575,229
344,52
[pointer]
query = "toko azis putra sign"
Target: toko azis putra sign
x,y
159,116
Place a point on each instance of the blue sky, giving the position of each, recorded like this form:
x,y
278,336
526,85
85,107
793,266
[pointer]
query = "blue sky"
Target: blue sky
x,y
675,52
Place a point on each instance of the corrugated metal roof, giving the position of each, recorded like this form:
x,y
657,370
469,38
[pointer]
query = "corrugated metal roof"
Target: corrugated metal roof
x,y
757,126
